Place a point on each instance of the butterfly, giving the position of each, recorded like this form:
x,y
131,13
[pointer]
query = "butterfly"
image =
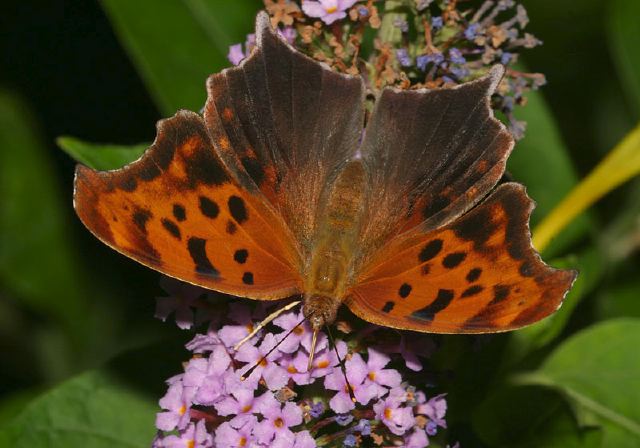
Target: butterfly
x,y
280,189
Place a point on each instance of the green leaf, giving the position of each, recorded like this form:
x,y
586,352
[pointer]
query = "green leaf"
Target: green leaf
x,y
177,44
101,156
624,38
598,369
92,410
527,417
38,266
541,162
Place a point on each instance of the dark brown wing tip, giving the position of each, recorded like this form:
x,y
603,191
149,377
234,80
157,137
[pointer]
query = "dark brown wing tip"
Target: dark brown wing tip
x,y
514,197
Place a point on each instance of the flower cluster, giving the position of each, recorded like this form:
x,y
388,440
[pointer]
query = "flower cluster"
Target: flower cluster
x,y
264,394
416,43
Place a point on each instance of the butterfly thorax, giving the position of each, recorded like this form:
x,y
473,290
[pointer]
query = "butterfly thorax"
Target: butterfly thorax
x,y
340,217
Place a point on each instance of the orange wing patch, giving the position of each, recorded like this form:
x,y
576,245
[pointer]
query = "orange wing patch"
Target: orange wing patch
x,y
476,275
178,210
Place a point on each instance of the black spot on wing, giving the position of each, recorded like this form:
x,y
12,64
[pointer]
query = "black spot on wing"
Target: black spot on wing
x,y
240,256
434,206
203,167
500,293
442,300
404,290
231,227
128,183
171,227
179,212
388,306
197,250
527,269
472,291
473,275
476,226
237,209
247,278
208,207
140,219
454,259
430,250
426,268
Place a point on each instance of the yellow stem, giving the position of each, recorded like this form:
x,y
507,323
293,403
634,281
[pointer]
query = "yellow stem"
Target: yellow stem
x,y
620,165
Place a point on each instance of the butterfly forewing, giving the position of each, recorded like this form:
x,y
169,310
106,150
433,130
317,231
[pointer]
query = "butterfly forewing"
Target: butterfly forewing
x,y
478,274
180,211
289,123
431,155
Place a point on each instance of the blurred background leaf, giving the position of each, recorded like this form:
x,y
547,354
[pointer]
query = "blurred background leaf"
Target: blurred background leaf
x,y
100,156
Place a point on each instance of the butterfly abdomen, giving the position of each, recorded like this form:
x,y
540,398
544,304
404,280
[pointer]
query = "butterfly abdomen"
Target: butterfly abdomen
x,y
334,244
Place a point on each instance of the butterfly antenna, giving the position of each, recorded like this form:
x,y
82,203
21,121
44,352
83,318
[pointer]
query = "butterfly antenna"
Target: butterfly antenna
x,y
266,321
341,362
264,357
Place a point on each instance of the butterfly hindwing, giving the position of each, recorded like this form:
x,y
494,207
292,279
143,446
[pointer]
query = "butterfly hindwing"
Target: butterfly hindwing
x,y
180,211
478,274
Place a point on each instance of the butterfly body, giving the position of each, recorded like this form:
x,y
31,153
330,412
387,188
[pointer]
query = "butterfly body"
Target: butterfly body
x,y
335,244
276,191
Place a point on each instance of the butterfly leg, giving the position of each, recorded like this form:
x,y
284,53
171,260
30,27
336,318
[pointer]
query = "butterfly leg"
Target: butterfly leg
x,y
266,321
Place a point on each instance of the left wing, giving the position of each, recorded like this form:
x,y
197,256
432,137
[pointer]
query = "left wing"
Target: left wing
x,y
478,274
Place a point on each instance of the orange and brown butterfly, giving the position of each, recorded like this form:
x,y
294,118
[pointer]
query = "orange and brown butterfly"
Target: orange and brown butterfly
x,y
280,190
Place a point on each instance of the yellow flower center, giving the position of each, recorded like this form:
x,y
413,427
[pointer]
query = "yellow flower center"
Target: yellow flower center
x,y
322,364
191,443
387,413
298,330
243,441
246,408
279,423
292,369
182,410
331,9
372,376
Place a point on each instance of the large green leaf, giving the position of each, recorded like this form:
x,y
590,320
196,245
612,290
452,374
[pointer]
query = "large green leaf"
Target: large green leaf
x,y
598,369
90,411
528,417
624,37
177,44
542,163
39,268
101,156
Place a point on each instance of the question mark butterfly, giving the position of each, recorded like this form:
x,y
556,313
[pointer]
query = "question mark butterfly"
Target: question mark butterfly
x,y
280,190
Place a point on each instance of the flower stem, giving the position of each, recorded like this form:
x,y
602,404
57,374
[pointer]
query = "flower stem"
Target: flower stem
x,y
620,165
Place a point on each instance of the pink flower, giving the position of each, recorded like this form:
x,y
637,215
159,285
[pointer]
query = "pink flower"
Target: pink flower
x,y
356,374
176,403
277,421
393,414
327,10
379,376
228,436
274,375
181,299
240,403
195,436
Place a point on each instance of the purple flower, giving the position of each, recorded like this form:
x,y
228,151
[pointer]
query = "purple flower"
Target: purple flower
x,y
241,403
356,373
417,439
301,333
195,436
304,440
344,419
506,58
402,55
456,57
202,343
176,403
363,427
206,376
277,421
378,376
235,55
393,414
288,33
435,409
274,375
327,10
436,23
471,31
432,428
421,62
228,436
296,367
232,334
350,440
182,296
